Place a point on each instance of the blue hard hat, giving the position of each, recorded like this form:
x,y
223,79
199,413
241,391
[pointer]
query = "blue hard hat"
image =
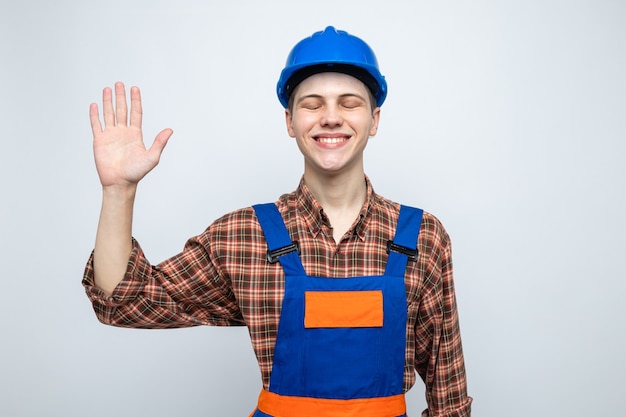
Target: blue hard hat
x,y
331,50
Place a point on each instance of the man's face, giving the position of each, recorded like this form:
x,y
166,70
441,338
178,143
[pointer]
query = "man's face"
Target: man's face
x,y
331,120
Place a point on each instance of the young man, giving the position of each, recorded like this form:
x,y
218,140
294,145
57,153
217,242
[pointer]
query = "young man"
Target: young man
x,y
342,299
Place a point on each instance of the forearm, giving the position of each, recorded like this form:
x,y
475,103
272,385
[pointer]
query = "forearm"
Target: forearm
x,y
113,237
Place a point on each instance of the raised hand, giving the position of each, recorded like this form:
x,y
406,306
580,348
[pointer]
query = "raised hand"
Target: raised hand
x,y
121,156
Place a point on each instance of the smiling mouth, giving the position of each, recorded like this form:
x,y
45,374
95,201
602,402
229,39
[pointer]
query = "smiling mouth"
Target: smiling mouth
x,y
331,141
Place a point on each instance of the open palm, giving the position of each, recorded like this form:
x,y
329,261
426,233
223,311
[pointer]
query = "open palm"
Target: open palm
x,y
121,157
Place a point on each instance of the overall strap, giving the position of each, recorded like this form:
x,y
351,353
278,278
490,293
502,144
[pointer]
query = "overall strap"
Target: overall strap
x,y
280,247
404,245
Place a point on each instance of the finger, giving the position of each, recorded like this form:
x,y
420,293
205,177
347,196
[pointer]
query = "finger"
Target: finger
x,y
107,107
135,107
121,110
159,143
94,118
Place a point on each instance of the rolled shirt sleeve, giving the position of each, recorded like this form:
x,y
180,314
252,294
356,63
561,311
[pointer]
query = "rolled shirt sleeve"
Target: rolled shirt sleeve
x,y
185,290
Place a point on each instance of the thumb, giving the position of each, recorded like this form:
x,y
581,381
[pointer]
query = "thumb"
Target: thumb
x,y
159,143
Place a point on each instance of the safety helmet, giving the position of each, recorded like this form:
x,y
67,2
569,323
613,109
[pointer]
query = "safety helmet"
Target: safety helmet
x,y
331,50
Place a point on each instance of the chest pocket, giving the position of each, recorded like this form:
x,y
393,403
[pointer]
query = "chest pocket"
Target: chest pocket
x,y
335,309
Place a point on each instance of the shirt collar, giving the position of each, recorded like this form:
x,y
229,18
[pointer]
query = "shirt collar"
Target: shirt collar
x,y
315,219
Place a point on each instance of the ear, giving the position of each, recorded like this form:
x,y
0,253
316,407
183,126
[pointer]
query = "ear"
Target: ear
x,y
375,120
289,123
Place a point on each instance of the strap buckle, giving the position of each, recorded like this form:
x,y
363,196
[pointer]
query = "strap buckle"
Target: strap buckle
x,y
410,253
273,255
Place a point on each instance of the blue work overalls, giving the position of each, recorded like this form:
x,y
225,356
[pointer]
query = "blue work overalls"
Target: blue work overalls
x,y
341,342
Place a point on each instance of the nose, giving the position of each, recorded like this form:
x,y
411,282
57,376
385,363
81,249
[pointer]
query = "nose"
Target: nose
x,y
331,116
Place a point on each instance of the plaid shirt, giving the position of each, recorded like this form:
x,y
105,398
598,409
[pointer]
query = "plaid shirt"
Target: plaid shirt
x,y
222,278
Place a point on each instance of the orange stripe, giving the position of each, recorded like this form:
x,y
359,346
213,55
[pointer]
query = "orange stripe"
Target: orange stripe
x,y
288,406
343,309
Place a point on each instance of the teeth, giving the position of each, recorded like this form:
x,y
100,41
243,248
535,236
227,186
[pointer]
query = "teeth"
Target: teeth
x,y
330,140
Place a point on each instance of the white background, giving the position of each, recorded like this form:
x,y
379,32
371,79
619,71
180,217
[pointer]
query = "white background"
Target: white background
x,y
506,119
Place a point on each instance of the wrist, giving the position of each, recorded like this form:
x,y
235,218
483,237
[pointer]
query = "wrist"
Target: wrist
x,y
119,191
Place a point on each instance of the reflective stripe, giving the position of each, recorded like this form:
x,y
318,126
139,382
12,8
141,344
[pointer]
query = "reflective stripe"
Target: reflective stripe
x,y
288,406
332,309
